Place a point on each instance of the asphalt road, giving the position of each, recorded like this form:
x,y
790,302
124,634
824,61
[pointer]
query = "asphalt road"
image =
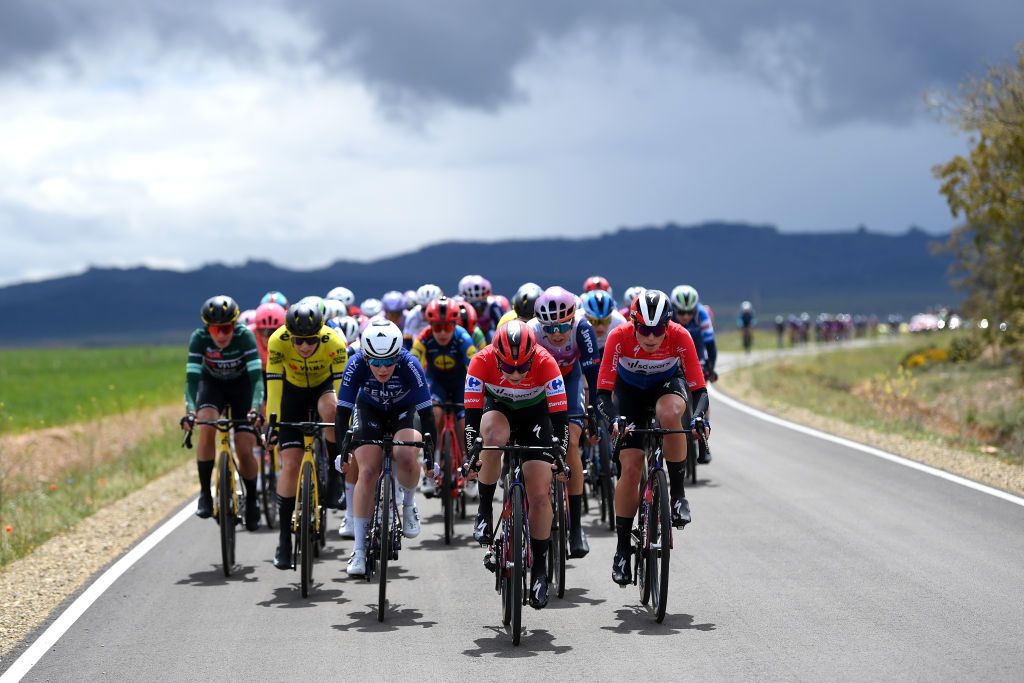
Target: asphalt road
x,y
806,560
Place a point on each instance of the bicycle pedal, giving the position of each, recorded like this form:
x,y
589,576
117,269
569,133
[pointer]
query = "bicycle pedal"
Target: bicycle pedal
x,y
489,563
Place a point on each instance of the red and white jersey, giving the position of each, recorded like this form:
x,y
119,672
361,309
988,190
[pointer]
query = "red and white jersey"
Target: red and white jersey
x,y
624,359
543,381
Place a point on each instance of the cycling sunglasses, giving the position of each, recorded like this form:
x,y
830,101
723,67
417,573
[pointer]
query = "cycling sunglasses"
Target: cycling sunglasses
x,y
221,329
521,369
651,330
599,321
442,327
305,341
560,328
382,362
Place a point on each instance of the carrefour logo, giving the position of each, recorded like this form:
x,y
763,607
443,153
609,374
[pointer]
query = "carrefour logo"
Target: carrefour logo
x,y
473,384
556,386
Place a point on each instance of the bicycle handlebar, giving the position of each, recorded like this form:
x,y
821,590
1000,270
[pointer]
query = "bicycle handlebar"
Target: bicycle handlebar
x,y
222,424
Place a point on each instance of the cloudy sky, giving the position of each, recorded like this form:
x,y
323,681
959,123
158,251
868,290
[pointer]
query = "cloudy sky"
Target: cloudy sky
x,y
178,132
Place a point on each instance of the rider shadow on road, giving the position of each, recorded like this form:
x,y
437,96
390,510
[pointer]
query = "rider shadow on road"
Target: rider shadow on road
x,y
215,577
394,618
500,645
573,597
437,543
290,597
638,620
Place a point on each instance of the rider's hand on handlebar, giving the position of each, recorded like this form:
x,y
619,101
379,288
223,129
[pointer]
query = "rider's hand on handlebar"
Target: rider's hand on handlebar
x,y
700,424
188,422
272,437
255,417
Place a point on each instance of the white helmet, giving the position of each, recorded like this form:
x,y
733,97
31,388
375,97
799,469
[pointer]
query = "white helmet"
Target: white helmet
x,y
381,339
745,306
333,308
631,294
371,307
342,294
315,302
427,293
349,328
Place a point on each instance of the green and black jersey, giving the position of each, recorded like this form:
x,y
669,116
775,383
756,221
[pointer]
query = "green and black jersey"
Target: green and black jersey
x,y
206,359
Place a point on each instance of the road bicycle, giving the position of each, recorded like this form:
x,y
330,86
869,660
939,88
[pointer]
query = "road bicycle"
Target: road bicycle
x,y
510,553
600,470
229,494
309,521
384,533
269,465
453,495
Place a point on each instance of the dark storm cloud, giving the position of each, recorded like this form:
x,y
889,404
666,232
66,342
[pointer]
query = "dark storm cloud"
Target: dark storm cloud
x,y
841,60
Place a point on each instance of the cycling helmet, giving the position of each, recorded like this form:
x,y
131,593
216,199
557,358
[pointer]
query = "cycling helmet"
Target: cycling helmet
x,y
598,304
525,298
410,299
630,296
427,293
273,297
467,315
442,310
393,302
304,320
349,328
333,308
475,288
342,294
219,310
514,343
684,299
371,307
555,305
381,339
269,316
503,302
247,317
315,302
596,282
745,306
651,308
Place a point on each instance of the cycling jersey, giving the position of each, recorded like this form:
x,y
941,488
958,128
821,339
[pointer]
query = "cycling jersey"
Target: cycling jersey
x,y
406,387
284,364
579,347
703,335
508,317
488,314
208,361
602,338
261,344
441,362
415,323
626,360
543,382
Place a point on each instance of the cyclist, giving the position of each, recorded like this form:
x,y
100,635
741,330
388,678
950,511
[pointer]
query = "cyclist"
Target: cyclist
x,y
523,303
269,317
383,389
304,368
596,282
416,319
467,320
247,317
348,327
444,350
393,304
627,300
477,291
746,321
691,314
599,309
371,307
346,297
224,369
275,297
571,342
514,389
645,364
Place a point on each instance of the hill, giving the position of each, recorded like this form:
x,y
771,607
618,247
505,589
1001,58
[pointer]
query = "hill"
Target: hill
x,y
855,271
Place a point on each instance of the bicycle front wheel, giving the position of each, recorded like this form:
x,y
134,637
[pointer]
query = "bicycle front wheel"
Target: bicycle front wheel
x,y
306,529
384,543
607,488
659,546
226,513
447,498
518,577
559,540
268,481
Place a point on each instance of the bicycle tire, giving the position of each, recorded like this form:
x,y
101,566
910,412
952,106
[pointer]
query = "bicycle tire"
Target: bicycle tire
x,y
462,504
225,514
640,542
447,499
306,529
268,492
607,488
384,547
321,458
692,453
659,546
518,578
559,540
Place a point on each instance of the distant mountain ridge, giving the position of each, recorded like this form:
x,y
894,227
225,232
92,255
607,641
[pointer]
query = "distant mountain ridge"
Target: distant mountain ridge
x,y
855,271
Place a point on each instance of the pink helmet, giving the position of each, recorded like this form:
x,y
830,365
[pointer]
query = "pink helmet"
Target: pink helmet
x,y
555,305
269,316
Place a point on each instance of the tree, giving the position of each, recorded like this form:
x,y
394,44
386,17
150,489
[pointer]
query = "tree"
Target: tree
x,y
986,188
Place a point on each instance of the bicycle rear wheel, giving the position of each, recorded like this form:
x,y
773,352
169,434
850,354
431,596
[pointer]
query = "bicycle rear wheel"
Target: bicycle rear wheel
x,y
692,453
306,540
268,489
559,540
518,577
384,542
659,546
605,482
226,513
447,498
320,452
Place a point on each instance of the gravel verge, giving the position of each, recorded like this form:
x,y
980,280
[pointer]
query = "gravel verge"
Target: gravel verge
x,y
975,466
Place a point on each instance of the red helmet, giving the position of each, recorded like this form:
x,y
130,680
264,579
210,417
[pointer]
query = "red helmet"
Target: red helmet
x,y
467,315
514,343
442,310
269,316
596,282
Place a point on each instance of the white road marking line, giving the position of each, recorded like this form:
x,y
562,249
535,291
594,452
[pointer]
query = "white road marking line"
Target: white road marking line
x,y
50,636
885,455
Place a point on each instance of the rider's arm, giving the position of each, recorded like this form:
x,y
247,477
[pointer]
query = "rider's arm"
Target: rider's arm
x,y
606,406
712,351
683,343
610,361
414,375
419,348
337,351
193,370
707,331
253,365
558,403
590,358
275,373
473,396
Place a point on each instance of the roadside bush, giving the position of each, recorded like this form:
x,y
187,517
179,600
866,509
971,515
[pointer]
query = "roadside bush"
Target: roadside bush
x,y
965,349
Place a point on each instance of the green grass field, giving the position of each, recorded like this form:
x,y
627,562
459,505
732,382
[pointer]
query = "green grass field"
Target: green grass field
x,y
49,387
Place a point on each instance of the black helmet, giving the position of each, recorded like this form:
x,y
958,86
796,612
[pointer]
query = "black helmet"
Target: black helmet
x,y
525,299
303,320
219,310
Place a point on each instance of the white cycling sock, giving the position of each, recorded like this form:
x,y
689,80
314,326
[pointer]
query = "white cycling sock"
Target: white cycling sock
x,y
408,495
359,543
350,498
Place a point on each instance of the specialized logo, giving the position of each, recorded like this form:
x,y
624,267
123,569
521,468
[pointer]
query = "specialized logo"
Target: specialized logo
x,y
536,430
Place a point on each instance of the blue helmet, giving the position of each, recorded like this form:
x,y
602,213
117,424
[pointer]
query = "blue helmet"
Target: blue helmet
x,y
597,304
